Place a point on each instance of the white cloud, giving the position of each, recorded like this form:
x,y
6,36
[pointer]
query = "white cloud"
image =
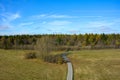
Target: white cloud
x,y
10,16
117,21
59,16
15,16
44,16
26,23
91,16
39,16
3,27
6,20
73,31
100,24
105,26
59,23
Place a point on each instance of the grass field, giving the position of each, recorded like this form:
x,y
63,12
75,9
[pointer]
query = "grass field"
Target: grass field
x,y
96,64
13,66
87,64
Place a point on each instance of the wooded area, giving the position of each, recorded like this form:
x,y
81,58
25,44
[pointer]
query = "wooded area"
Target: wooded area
x,y
62,41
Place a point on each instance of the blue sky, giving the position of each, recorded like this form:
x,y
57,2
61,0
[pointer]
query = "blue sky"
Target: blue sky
x,y
59,16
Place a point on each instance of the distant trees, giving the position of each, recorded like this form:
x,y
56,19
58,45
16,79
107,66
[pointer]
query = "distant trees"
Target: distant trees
x,y
61,41
6,42
17,42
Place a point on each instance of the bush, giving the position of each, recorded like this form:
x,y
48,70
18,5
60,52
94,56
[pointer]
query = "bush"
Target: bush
x,y
54,59
30,55
60,60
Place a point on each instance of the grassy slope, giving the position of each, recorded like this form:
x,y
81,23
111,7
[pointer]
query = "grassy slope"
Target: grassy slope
x,y
96,64
14,67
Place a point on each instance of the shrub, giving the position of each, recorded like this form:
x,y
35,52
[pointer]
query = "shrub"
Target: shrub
x,y
60,60
30,55
54,59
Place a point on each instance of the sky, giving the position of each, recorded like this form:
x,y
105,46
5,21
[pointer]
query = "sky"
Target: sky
x,y
59,16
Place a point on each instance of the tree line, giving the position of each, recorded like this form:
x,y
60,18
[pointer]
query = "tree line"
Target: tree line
x,y
62,41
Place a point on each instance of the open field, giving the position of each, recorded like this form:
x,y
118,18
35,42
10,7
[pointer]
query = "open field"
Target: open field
x,y
87,64
96,64
14,67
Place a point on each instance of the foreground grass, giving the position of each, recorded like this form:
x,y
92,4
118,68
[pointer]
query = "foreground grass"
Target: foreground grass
x,y
13,66
96,64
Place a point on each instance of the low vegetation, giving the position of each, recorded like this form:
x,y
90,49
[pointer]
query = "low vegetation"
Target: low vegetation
x,y
54,59
13,66
30,55
96,64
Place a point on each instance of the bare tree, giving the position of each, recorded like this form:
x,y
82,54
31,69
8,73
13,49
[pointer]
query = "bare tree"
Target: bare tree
x,y
44,46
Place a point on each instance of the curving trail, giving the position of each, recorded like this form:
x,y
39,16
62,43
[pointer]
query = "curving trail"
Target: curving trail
x,y
70,69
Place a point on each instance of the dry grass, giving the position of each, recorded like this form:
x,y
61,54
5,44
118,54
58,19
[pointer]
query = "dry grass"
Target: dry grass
x,y
96,64
13,66
88,65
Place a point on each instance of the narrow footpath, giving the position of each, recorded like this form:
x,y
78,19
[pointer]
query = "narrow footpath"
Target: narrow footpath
x,y
70,69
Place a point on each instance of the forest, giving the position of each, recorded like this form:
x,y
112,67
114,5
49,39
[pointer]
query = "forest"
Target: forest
x,y
62,41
